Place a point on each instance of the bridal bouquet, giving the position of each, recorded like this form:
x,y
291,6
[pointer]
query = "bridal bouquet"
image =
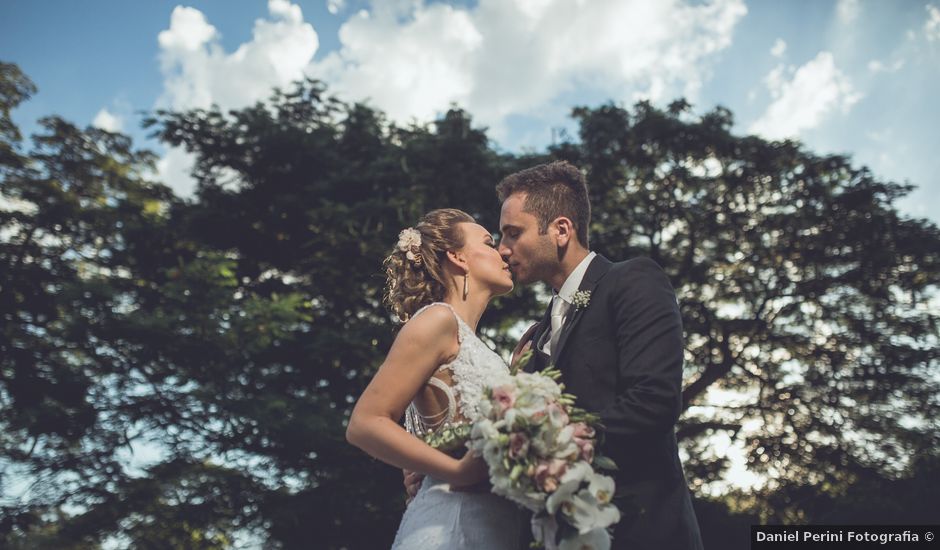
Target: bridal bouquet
x,y
540,451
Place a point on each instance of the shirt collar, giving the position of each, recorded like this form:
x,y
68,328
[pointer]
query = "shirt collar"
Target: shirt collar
x,y
573,282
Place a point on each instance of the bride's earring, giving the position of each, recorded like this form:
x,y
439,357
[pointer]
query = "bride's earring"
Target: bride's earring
x,y
466,286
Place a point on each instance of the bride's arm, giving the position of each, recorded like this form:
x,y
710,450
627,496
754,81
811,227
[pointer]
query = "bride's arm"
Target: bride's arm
x,y
423,344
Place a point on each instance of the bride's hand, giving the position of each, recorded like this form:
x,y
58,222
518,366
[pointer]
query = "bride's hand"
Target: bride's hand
x,y
471,470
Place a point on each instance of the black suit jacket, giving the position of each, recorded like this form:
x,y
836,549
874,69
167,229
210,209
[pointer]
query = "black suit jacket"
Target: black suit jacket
x,y
621,356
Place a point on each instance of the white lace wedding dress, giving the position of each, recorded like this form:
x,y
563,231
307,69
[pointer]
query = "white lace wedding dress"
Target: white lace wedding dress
x,y
438,517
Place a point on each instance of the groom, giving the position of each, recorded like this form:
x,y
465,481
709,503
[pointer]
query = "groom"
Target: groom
x,y
614,331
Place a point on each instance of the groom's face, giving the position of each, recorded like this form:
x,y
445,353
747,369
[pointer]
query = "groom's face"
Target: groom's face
x,y
531,256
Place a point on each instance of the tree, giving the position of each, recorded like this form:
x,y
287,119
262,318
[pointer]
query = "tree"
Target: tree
x,y
98,332
231,332
805,295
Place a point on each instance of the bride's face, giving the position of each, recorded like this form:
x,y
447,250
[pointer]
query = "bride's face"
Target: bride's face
x,y
487,268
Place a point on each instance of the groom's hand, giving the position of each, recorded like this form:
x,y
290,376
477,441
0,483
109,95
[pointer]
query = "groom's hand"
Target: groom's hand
x,y
412,483
519,352
524,345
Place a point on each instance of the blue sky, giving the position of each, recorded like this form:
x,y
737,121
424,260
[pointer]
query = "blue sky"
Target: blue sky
x,y
847,76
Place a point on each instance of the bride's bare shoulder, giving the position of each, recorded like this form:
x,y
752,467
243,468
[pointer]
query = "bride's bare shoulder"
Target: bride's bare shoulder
x,y
434,327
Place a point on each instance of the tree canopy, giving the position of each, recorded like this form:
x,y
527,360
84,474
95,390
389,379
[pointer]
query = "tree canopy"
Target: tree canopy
x,y
226,336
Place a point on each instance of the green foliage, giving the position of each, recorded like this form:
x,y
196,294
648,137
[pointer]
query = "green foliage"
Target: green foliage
x,y
232,332
805,295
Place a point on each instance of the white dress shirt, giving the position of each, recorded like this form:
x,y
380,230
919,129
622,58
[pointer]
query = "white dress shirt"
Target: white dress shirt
x,y
561,301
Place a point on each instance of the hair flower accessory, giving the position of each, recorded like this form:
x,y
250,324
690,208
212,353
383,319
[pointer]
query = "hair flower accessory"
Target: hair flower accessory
x,y
408,241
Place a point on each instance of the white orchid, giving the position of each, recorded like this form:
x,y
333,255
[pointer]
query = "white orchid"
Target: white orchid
x,y
596,539
585,513
578,472
601,487
562,495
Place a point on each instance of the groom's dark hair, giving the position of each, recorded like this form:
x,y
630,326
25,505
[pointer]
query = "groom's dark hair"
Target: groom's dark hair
x,y
552,190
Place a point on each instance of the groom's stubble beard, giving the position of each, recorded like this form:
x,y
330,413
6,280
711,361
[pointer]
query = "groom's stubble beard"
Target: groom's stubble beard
x,y
544,262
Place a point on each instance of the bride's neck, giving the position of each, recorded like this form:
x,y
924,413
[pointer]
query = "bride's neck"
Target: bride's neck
x,y
471,309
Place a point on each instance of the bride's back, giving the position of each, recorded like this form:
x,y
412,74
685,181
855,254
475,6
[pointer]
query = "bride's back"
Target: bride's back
x,y
452,394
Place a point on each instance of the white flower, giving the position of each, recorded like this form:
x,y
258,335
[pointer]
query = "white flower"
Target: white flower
x,y
563,494
408,239
484,429
596,539
557,416
581,299
602,487
579,471
585,513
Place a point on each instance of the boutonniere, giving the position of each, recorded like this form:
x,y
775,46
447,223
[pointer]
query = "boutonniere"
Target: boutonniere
x,y
581,299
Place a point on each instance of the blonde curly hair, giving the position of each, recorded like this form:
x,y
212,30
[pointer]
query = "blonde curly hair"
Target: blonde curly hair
x,y
415,272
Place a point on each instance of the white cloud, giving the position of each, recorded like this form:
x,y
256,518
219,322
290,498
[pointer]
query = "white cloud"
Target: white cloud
x,y
198,72
498,59
335,6
779,48
932,26
847,11
412,70
512,57
108,121
188,31
803,100
876,66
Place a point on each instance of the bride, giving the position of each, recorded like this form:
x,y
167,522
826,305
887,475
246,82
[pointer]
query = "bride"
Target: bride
x,y
441,276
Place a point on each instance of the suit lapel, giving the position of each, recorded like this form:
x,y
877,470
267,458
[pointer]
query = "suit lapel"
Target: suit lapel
x,y
595,272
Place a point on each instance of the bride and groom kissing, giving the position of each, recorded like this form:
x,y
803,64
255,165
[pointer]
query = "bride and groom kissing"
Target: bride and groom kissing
x,y
612,328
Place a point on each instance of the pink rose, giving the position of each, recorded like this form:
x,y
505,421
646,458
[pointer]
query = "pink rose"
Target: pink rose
x,y
587,451
550,484
518,445
583,438
582,430
504,397
548,473
557,467
541,472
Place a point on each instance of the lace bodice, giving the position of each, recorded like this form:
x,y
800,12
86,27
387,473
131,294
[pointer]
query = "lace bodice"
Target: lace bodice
x,y
475,367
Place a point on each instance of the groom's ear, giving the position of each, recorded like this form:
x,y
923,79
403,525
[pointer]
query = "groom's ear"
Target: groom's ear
x,y
564,230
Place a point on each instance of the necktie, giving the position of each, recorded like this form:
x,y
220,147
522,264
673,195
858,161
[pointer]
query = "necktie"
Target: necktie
x,y
558,316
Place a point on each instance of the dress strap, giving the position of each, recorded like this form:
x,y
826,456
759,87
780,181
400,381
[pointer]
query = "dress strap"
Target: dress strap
x,y
449,392
461,325
419,424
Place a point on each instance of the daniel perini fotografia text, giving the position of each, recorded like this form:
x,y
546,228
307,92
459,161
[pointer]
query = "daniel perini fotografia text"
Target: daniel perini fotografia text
x,y
838,535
